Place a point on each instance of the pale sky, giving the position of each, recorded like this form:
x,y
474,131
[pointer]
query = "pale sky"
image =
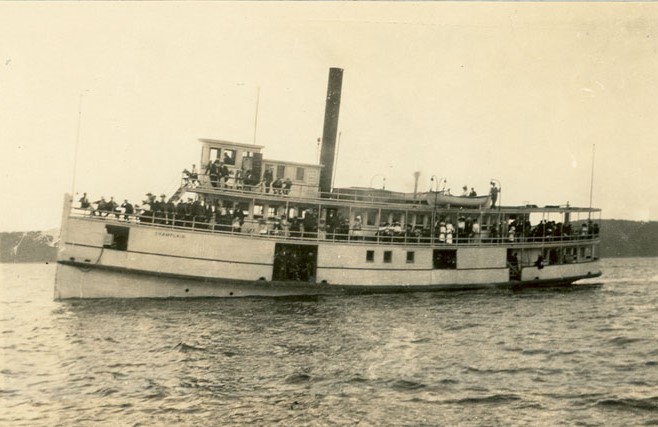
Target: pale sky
x,y
518,92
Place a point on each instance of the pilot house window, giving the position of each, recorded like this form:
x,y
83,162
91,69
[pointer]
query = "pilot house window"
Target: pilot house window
x,y
229,157
299,175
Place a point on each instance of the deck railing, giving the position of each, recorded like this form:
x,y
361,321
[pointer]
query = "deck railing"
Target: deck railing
x,y
263,228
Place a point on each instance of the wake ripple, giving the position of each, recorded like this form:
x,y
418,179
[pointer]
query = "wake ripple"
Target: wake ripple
x,y
648,404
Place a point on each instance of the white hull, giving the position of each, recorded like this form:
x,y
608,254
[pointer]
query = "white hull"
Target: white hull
x,y
74,282
161,262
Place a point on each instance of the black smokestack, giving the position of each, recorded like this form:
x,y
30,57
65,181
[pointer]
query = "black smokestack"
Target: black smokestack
x,y
330,130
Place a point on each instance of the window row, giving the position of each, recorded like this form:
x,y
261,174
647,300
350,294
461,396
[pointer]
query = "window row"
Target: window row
x,y
441,258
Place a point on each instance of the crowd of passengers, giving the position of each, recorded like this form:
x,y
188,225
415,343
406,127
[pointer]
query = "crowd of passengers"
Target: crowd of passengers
x,y
204,214
220,176
174,212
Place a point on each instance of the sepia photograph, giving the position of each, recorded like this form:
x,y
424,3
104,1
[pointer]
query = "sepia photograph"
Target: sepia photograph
x,y
382,213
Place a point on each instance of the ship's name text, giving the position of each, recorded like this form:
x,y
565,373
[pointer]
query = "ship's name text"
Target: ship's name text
x,y
168,234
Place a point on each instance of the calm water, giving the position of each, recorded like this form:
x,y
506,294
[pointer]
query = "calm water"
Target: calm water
x,y
585,355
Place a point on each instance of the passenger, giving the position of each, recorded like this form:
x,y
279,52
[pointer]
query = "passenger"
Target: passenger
x,y
146,216
170,211
475,233
287,185
161,210
181,210
194,176
224,174
464,191
239,185
277,186
285,226
112,207
511,233
384,230
84,202
333,224
461,228
239,214
473,193
295,229
191,177
198,214
409,232
310,224
468,228
263,229
426,235
356,231
189,212
539,263
450,231
249,180
213,171
267,179
494,194
128,210
101,207
442,232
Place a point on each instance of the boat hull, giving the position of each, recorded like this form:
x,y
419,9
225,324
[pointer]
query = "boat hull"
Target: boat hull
x,y
111,258
79,281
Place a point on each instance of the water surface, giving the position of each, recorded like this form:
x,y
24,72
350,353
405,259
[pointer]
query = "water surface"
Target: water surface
x,y
580,355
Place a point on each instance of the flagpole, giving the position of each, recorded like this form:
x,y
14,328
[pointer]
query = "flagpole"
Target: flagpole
x,y
256,114
77,143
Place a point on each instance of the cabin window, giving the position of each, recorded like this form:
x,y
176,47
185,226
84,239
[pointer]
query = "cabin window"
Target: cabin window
x,y
229,157
271,212
371,217
299,175
444,259
258,211
370,256
411,257
280,171
388,257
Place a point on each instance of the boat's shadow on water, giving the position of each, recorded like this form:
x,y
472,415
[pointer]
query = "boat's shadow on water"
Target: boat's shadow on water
x,y
580,287
308,305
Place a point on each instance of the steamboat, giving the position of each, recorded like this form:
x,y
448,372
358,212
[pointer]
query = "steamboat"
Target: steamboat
x,y
243,225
